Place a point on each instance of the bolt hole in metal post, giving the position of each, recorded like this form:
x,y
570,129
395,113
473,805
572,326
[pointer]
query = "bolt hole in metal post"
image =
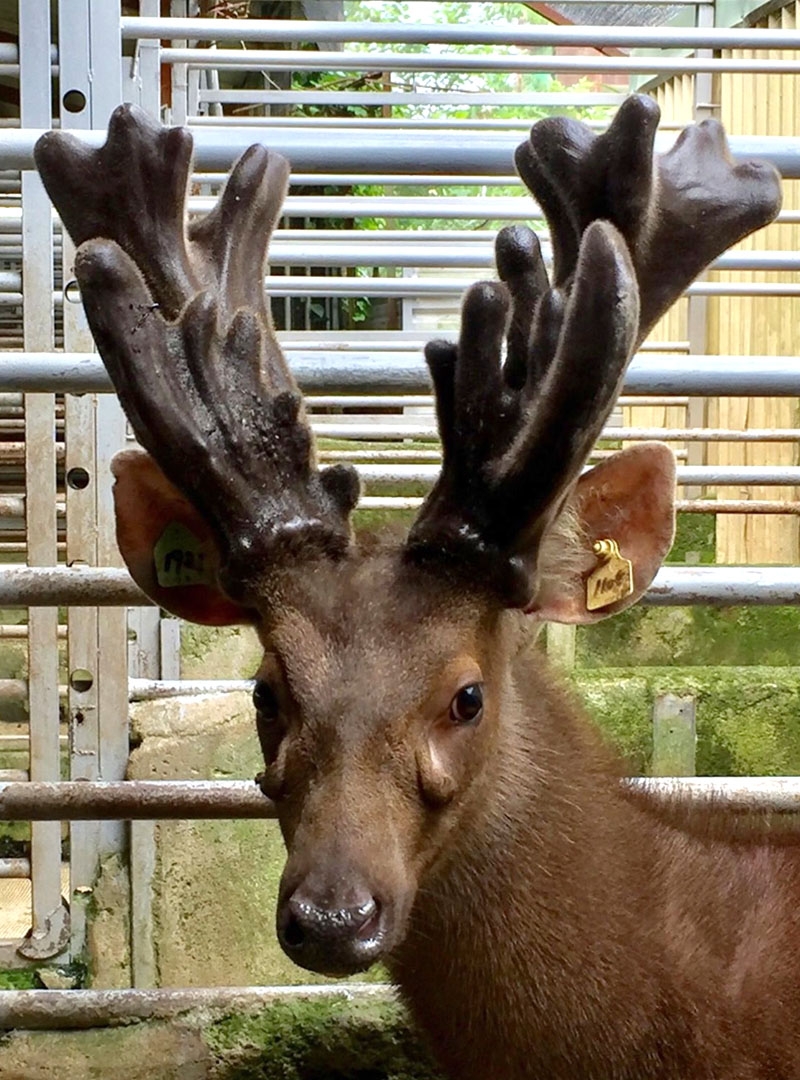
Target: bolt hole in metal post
x,y
74,101
81,680
78,478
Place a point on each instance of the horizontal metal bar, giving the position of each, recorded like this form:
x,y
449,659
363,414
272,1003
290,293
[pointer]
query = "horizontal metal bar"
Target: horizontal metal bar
x,y
724,586
398,475
76,1009
699,375
682,506
737,506
509,34
145,800
413,286
313,60
417,151
22,586
20,632
467,250
51,586
421,287
132,800
15,868
156,689
397,427
702,434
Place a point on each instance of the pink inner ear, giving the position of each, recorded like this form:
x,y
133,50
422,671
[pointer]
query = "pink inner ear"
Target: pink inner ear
x,y
167,546
629,498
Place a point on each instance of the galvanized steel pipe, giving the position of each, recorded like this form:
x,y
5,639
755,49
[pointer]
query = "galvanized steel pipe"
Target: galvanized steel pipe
x,y
542,35
146,800
418,151
132,800
359,371
80,1009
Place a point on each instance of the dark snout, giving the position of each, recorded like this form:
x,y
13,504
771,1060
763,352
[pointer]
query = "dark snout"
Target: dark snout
x,y
332,932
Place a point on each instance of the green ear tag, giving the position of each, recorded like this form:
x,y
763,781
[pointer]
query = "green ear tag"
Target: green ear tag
x,y
181,559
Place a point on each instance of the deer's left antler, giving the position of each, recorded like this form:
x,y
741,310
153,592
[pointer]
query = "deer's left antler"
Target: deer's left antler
x,y
629,233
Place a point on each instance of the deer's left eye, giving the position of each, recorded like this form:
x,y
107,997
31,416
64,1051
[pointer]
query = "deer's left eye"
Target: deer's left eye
x,y
265,701
467,706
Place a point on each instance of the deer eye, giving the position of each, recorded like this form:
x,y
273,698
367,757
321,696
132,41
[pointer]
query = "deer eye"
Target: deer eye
x,y
265,701
467,706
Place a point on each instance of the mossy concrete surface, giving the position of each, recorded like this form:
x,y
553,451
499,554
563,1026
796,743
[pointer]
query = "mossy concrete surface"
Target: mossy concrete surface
x,y
748,719
335,1038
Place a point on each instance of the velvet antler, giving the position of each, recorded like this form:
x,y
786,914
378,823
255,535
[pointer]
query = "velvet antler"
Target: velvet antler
x,y
629,233
180,319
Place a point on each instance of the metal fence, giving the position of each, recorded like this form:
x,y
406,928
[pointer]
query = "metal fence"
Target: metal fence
x,y
60,426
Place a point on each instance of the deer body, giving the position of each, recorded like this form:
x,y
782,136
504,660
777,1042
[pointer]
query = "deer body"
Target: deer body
x,y
573,933
444,807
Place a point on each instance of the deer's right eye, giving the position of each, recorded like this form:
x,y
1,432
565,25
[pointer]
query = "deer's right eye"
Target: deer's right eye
x,y
265,701
467,706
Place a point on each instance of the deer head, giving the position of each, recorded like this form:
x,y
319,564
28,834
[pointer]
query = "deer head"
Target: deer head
x,y
386,697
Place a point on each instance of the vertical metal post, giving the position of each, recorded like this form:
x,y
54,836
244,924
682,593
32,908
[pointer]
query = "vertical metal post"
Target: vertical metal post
x,y
674,736
75,85
112,635
90,87
50,931
697,306
149,65
180,79
145,646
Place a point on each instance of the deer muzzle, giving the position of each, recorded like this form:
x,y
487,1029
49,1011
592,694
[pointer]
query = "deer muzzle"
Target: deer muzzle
x,y
332,932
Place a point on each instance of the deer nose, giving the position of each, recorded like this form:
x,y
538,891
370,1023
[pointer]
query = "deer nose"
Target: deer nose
x,y
331,938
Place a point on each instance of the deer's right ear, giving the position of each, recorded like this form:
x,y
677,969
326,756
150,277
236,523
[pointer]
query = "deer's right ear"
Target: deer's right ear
x,y
168,547
630,499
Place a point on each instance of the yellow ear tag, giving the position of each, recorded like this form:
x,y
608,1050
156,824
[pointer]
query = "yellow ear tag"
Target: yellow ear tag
x,y
612,578
181,558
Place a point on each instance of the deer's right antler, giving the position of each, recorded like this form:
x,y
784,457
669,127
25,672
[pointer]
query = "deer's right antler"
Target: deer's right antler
x,y
629,234
180,319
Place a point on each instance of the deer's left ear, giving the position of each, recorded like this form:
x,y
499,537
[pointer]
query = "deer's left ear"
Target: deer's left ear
x,y
167,546
628,499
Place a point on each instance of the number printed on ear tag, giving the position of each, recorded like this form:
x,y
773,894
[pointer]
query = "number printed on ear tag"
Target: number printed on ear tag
x,y
181,558
611,580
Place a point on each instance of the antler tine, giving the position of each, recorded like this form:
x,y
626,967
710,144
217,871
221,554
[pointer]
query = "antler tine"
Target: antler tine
x,y
628,237
182,325
676,212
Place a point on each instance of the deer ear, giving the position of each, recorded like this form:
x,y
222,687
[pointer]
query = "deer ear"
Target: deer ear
x,y
630,499
167,546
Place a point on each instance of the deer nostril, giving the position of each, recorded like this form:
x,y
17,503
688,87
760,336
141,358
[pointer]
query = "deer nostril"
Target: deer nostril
x,y
293,933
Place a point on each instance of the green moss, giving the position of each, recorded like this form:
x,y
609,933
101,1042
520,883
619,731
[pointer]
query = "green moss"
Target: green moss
x,y
695,539
220,652
324,1039
20,980
15,837
692,637
748,719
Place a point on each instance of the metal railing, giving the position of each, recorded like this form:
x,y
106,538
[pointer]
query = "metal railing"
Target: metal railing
x,y
75,524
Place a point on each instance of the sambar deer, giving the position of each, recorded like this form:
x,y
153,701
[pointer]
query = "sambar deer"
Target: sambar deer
x,y
445,807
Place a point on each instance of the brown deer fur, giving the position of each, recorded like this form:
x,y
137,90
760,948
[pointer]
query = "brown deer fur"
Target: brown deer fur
x,y
445,807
